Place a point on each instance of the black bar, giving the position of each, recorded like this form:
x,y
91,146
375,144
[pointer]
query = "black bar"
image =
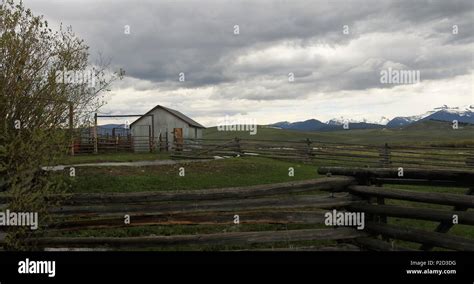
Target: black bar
x,y
240,265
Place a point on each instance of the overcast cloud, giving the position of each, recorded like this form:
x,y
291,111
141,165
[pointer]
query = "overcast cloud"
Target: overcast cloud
x,y
335,74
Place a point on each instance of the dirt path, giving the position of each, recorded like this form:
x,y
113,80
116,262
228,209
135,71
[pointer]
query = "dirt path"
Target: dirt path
x,y
125,164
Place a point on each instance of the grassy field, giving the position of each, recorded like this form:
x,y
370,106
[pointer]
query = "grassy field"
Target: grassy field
x,y
425,133
198,175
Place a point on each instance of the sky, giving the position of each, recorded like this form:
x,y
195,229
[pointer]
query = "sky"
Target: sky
x,y
273,61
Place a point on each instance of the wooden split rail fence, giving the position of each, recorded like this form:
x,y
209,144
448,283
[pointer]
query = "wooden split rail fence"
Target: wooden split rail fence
x,y
370,186
283,203
331,154
298,208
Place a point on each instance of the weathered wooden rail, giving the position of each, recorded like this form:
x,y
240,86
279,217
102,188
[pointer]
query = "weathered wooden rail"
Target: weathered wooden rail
x,y
232,238
299,201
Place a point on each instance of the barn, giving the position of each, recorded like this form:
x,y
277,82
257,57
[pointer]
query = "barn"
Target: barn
x,y
166,126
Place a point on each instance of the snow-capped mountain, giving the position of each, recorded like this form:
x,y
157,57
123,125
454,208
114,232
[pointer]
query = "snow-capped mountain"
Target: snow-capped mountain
x,y
281,124
463,114
444,113
383,120
405,120
462,110
316,125
400,121
341,120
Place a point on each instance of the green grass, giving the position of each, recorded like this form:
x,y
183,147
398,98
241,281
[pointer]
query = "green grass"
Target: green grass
x,y
423,133
458,229
198,175
114,157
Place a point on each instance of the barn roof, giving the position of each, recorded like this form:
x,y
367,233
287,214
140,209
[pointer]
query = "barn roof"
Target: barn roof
x,y
174,112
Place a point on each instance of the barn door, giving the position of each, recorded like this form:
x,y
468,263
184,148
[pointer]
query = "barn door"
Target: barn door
x,y
141,138
178,138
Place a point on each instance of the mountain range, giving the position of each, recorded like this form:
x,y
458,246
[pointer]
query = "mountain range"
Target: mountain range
x,y
464,114
112,128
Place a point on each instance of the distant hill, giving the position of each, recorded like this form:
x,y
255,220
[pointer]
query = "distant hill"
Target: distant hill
x,y
463,114
400,122
109,128
307,125
316,125
424,132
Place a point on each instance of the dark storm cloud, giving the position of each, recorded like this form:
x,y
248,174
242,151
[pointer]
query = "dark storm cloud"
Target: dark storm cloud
x,y
169,37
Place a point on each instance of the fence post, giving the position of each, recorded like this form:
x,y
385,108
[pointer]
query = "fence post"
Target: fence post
x,y
384,155
160,143
150,139
309,149
237,145
470,160
381,218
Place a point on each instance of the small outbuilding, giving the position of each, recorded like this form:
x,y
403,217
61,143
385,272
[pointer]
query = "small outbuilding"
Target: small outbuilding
x,y
162,127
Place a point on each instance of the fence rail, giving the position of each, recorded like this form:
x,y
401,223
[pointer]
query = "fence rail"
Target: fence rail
x,y
232,238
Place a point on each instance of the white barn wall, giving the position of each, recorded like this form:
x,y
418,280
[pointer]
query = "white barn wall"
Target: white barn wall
x,y
164,122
